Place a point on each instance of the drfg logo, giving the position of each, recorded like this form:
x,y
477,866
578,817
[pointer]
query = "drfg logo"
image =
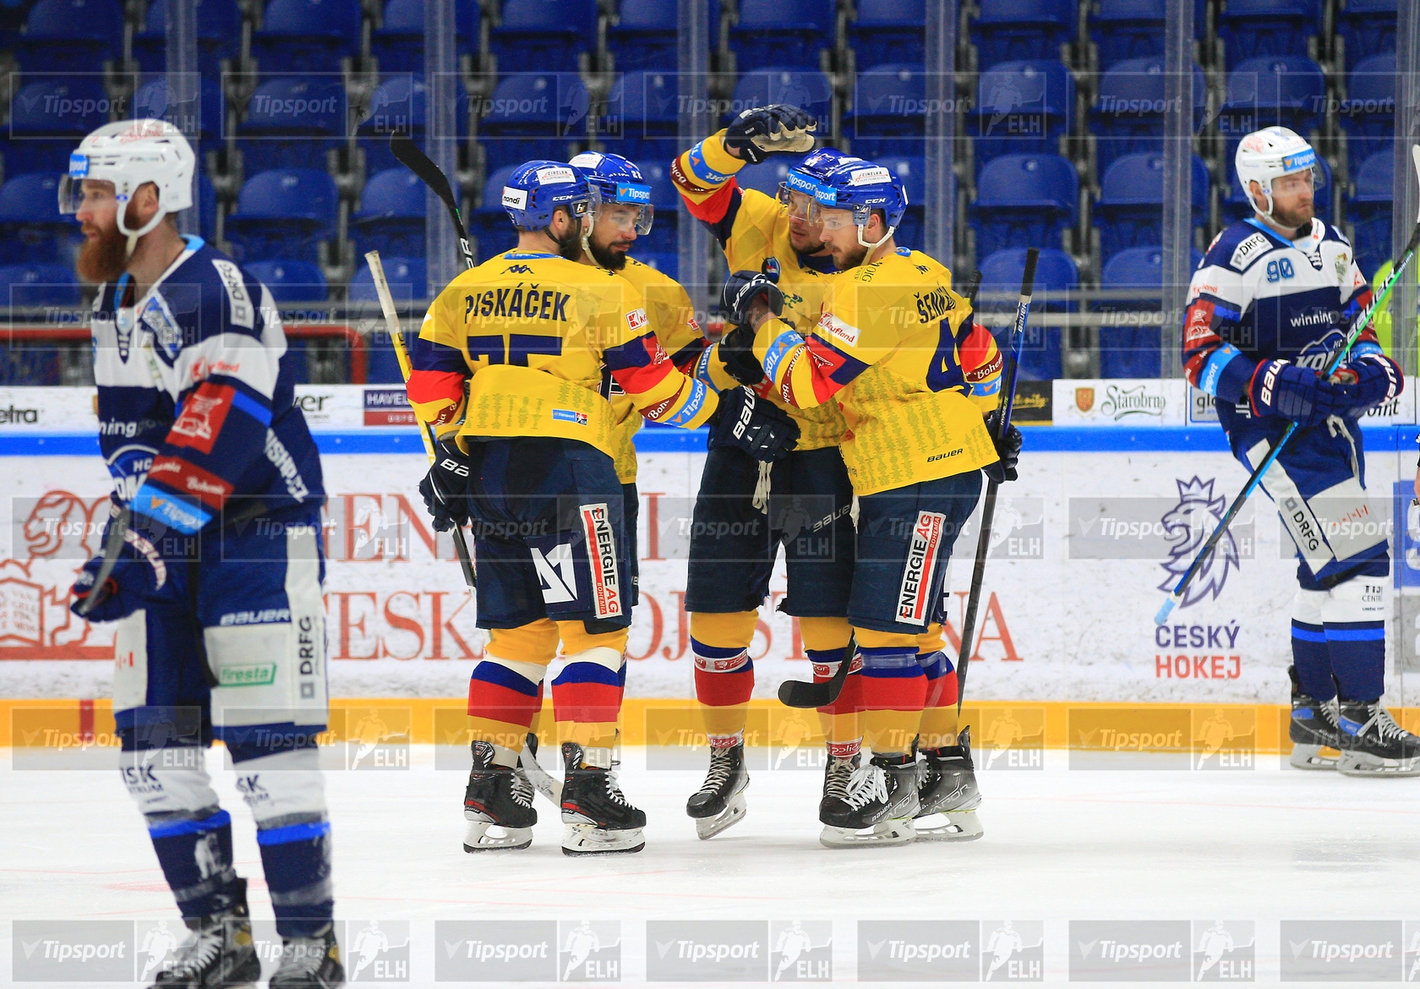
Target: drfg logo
x,y
1129,951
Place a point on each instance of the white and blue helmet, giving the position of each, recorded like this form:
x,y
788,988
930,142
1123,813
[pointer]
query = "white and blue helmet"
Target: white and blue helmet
x,y
1269,154
537,188
863,186
614,179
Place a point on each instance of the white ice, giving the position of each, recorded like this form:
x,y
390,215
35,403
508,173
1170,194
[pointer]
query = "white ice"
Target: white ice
x,y
1260,845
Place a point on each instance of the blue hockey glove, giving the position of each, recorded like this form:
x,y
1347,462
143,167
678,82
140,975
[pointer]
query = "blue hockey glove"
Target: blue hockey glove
x,y
445,487
139,572
751,424
1281,388
1367,382
1008,449
742,288
762,131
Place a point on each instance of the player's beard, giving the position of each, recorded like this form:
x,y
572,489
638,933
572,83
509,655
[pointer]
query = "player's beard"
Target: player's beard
x,y
604,256
103,258
569,245
852,257
1296,219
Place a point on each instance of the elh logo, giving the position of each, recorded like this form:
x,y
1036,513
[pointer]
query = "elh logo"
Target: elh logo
x,y
1012,951
379,951
1224,951
589,951
802,951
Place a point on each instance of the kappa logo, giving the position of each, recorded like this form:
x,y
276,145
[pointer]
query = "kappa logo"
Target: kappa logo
x,y
1186,525
517,269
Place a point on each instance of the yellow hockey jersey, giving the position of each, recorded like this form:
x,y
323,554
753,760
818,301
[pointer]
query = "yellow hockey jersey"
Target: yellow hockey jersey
x,y
752,228
530,344
898,352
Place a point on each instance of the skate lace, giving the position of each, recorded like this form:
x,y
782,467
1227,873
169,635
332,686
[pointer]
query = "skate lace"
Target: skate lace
x,y
720,770
869,783
1385,725
522,790
840,774
198,951
613,790
300,956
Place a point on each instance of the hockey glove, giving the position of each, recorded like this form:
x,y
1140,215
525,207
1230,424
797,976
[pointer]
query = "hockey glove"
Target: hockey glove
x,y
445,487
1367,382
139,572
742,288
1281,388
737,354
753,425
1008,449
762,131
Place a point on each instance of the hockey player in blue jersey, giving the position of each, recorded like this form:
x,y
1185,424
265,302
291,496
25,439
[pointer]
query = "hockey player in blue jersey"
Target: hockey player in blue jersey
x,y
216,574
1268,306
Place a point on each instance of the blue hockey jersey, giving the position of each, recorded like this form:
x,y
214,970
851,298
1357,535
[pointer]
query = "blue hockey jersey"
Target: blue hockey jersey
x,y
195,390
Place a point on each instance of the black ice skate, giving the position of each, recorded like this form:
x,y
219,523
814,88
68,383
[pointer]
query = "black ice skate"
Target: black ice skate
x,y
218,951
309,963
596,814
880,806
947,792
1372,744
837,777
541,779
1316,738
720,801
498,804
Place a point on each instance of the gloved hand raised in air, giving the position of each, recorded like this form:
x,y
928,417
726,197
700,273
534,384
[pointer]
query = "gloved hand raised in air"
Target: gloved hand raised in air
x,y
445,487
1281,388
1008,449
751,424
140,568
762,131
1367,381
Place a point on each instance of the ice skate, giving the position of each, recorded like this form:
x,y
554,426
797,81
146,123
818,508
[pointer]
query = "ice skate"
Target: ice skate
x,y
309,963
1316,739
878,810
596,814
540,778
498,804
720,802
947,793
218,951
837,776
1372,744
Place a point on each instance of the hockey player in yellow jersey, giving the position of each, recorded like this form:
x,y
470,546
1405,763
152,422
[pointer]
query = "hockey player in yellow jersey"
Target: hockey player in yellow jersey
x,y
745,512
897,351
514,367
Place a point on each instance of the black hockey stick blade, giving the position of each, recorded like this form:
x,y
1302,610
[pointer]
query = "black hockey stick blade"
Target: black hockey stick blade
x,y
408,154
801,694
113,544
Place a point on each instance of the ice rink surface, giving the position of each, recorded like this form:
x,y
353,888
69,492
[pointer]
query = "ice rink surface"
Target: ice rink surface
x,y
1081,873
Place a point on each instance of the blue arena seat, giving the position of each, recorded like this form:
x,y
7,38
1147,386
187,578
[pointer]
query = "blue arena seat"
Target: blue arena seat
x,y
1289,90
1132,195
31,227
24,285
1124,29
71,35
642,108
1367,115
290,281
1056,277
398,43
1024,201
1012,30
489,223
1370,211
1129,347
766,176
1022,107
1260,28
307,35
912,170
407,277
391,214
644,35
198,111
292,122
889,31
888,112
283,213
30,286
219,36
1366,27
399,104
206,206
533,115
783,32
807,88
567,27
48,119
1128,113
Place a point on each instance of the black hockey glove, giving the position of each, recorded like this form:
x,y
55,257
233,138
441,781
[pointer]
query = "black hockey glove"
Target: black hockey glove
x,y
1008,449
742,288
1281,388
139,571
736,350
445,487
749,423
1366,382
762,131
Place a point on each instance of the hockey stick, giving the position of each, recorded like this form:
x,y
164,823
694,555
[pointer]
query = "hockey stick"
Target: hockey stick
x,y
401,353
113,545
1358,326
807,694
408,154
988,505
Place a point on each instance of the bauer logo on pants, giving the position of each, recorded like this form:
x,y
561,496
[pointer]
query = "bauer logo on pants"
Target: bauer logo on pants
x,y
601,553
922,553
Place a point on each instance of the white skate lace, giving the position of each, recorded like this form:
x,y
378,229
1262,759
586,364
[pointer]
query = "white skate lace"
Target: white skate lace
x,y
761,489
300,956
522,792
840,774
720,769
1385,725
613,791
868,784
199,951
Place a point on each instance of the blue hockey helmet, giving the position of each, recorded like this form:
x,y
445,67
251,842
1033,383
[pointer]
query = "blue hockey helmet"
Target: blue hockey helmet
x,y
614,179
862,186
538,187
806,176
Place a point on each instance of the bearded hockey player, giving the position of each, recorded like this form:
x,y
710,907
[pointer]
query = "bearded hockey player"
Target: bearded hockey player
x,y
1268,307
213,560
897,351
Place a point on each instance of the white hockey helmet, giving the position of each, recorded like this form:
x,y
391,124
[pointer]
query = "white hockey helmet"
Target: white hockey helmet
x,y
1271,153
130,153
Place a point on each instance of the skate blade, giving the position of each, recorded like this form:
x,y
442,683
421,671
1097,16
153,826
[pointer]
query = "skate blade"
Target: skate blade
x,y
956,825
734,812
1314,756
485,836
884,833
588,839
1363,764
